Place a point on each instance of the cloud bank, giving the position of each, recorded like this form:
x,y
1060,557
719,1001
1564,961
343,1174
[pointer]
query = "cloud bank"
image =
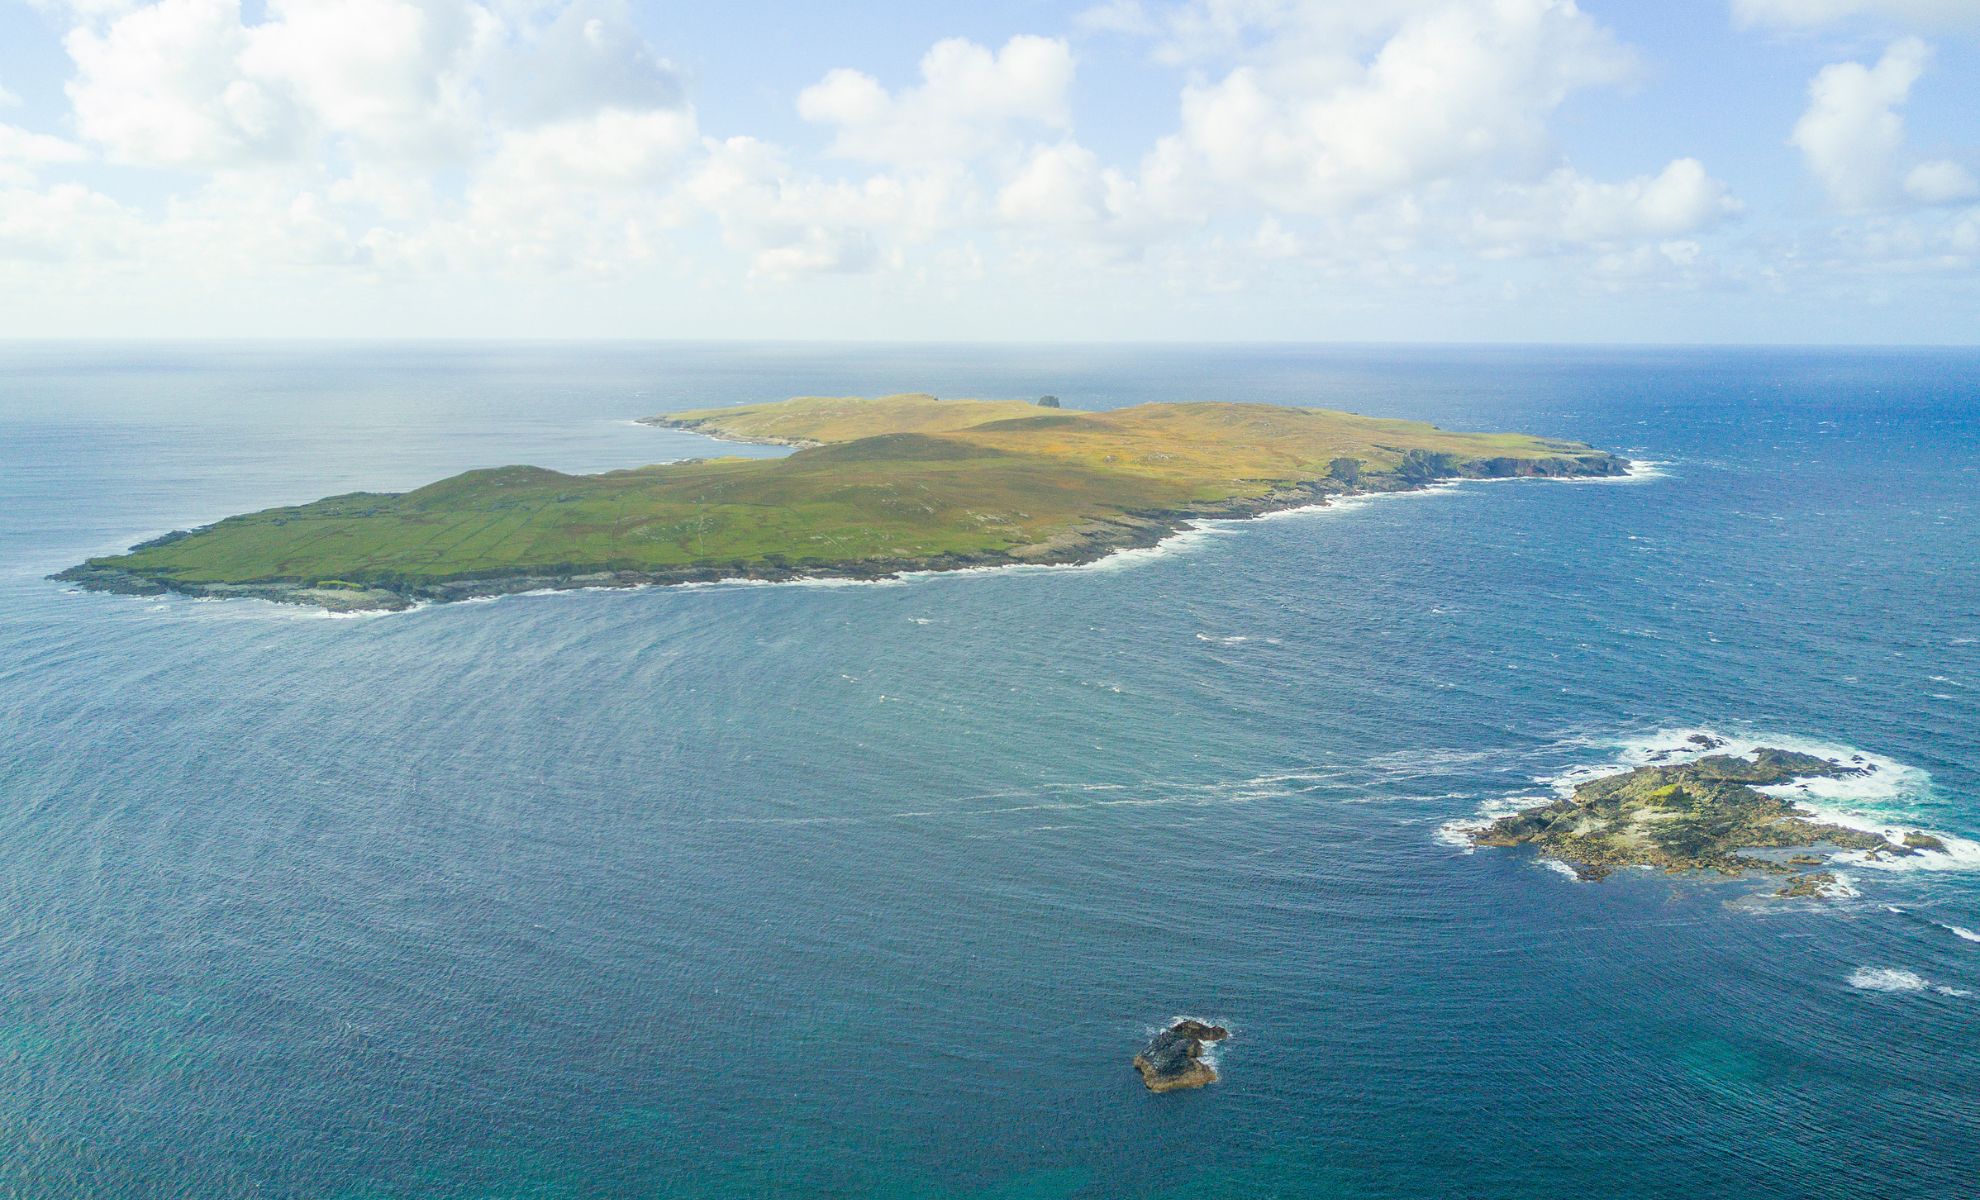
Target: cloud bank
x,y
507,149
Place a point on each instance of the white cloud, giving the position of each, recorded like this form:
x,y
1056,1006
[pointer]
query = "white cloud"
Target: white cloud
x,y
193,84
65,223
583,195
163,85
1059,185
1454,88
1349,153
1852,135
441,135
393,75
1809,14
248,223
791,224
605,149
1569,209
1940,182
1064,193
969,101
22,152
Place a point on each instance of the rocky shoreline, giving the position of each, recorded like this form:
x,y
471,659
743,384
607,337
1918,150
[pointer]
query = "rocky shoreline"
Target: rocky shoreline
x,y
1705,815
1080,545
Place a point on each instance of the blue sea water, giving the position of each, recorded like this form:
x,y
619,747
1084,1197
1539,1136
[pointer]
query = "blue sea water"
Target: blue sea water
x,y
873,890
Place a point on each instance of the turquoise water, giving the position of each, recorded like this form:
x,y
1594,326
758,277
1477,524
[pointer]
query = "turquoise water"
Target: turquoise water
x,y
873,890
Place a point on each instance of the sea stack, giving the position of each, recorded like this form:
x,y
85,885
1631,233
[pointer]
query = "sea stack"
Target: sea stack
x,y
1173,1058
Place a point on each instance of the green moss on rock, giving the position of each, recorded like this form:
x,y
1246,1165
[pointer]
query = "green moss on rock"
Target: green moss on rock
x,y
1705,815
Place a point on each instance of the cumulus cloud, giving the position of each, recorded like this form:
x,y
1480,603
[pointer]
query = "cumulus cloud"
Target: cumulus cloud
x,y
163,86
1567,208
23,152
1380,148
65,223
394,76
1852,135
790,223
1452,88
196,84
1059,185
1941,182
969,100
541,135
385,134
1062,192
613,147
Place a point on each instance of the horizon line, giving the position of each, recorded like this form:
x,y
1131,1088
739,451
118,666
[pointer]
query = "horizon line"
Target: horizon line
x,y
989,343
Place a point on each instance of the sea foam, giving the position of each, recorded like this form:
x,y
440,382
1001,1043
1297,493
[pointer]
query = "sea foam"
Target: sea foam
x,y
1886,979
1882,799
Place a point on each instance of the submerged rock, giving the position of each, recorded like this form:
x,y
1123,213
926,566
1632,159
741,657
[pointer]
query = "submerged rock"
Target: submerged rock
x,y
1814,885
1173,1058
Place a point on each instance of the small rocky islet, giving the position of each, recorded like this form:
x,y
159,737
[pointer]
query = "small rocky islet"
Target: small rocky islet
x,y
1173,1059
1706,814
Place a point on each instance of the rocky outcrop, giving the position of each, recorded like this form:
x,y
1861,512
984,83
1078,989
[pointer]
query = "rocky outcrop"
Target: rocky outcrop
x,y
1812,886
1173,1058
1704,815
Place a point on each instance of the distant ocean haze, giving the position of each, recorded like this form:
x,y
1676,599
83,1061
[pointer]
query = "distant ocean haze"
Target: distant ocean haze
x,y
801,890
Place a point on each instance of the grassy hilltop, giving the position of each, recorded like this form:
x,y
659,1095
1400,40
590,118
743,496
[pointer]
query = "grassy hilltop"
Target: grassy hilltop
x,y
879,486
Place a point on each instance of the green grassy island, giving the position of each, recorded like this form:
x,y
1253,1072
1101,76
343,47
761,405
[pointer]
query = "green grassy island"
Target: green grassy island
x,y
875,488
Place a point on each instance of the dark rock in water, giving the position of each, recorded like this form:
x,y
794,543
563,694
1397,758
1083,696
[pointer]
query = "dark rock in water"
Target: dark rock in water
x,y
1916,840
1173,1058
1813,885
1048,402
1705,741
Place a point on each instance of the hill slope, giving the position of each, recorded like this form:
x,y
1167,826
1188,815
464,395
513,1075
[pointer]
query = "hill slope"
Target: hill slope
x,y
882,486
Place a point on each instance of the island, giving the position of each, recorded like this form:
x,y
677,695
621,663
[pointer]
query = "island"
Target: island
x,y
1708,814
873,489
1173,1058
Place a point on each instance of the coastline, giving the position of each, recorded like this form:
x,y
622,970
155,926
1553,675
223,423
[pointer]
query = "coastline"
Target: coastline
x,y
1868,799
1081,545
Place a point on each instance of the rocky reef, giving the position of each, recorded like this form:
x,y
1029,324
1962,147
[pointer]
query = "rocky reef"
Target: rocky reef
x,y
1704,815
1814,885
1173,1058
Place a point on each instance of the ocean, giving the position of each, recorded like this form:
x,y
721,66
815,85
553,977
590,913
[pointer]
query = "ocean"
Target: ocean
x,y
873,890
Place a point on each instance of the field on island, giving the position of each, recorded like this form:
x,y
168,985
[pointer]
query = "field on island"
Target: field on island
x,y
903,477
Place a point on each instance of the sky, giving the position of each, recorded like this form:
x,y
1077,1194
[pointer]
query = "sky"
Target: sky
x,y
1614,171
